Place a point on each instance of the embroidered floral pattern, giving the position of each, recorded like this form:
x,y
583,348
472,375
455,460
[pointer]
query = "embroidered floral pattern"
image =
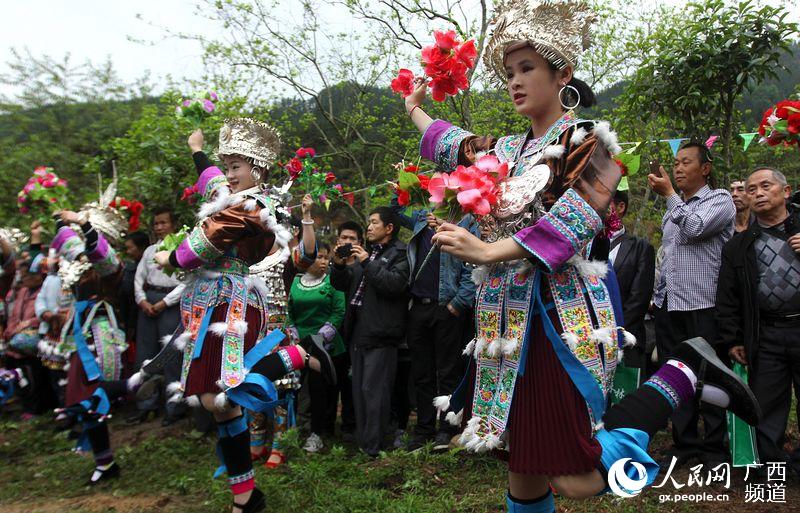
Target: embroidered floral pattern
x,y
447,148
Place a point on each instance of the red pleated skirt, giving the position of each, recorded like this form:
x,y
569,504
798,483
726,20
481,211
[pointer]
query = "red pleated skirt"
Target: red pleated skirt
x,y
78,387
205,370
549,431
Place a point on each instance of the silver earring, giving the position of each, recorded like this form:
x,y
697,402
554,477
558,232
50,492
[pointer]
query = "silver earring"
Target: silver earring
x,y
573,90
255,172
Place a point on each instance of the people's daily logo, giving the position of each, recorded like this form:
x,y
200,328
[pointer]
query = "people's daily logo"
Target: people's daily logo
x,y
621,484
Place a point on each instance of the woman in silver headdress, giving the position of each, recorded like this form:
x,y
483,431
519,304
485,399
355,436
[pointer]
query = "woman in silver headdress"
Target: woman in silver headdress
x,y
548,318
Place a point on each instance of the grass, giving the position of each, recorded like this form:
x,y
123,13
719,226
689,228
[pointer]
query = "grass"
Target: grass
x,y
166,470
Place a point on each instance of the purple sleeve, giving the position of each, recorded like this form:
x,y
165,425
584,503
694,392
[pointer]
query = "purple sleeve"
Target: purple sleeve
x,y
441,143
564,231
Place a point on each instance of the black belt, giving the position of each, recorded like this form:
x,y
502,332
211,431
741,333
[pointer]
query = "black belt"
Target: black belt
x,y
156,288
425,301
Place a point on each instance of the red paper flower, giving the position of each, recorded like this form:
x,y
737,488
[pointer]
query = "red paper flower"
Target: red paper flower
x,y
330,178
306,152
466,53
445,40
403,197
403,83
411,169
294,167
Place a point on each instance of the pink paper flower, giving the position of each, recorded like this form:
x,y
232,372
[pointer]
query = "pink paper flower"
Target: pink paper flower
x,y
208,106
439,183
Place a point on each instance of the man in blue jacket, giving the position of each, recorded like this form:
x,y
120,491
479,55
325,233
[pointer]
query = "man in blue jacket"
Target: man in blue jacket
x,y
442,299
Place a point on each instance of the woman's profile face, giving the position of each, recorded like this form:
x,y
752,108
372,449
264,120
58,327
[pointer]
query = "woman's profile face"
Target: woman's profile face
x,y
532,84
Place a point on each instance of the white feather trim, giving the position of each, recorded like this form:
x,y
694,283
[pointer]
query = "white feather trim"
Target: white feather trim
x,y
165,340
175,398
480,345
603,132
620,355
174,387
250,205
578,136
221,402
510,345
628,339
479,274
62,382
601,336
220,202
218,328
442,403
193,401
493,349
182,340
66,366
254,282
454,418
241,327
470,347
588,268
554,151
571,339
493,442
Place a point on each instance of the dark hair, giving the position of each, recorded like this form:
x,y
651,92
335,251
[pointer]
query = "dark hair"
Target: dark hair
x,y
295,222
586,95
323,245
140,239
387,217
706,157
165,210
351,225
622,197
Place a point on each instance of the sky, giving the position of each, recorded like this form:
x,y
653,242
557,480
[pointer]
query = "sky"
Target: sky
x,y
95,29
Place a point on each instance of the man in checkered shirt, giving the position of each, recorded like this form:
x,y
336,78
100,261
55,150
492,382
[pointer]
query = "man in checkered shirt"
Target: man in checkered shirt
x,y
696,226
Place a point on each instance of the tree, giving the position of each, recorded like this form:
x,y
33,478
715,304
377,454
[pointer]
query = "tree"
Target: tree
x,y
698,66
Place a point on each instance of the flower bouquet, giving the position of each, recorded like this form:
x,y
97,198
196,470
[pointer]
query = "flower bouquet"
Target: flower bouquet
x,y
316,182
43,195
197,109
191,195
132,208
467,190
410,186
781,124
445,62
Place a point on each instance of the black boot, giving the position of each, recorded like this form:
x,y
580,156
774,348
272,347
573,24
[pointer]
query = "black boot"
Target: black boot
x,y
313,345
254,504
704,362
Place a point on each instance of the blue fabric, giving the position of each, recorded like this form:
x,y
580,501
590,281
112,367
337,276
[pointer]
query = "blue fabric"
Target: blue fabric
x,y
86,356
255,393
535,298
581,377
626,443
263,348
546,505
201,333
7,388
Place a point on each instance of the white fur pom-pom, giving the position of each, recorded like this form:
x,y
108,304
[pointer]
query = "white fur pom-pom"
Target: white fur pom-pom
x,y
165,340
554,151
589,268
221,402
220,202
62,382
250,205
174,387
182,340
620,355
629,339
454,418
175,398
218,328
479,274
193,401
480,345
603,132
442,403
135,380
601,336
571,339
578,136
241,327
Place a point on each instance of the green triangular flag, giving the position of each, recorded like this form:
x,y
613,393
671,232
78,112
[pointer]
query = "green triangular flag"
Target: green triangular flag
x,y
747,138
636,145
623,184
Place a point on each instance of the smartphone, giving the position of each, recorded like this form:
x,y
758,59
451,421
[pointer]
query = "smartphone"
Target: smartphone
x,y
655,168
344,251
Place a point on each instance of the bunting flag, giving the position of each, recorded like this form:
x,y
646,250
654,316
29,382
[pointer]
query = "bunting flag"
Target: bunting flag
x,y
327,204
747,138
636,145
623,184
675,144
350,197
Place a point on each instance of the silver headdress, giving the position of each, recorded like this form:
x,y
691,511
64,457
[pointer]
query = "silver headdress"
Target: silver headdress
x,y
559,30
104,218
14,236
250,138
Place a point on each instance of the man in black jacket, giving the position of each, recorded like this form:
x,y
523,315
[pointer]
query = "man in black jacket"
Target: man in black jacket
x,y
634,261
374,323
758,306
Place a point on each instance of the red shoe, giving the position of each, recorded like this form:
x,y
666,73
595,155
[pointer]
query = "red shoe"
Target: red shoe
x,y
281,459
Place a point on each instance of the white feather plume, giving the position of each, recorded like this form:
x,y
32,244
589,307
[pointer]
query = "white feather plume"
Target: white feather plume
x,y
588,268
554,151
571,339
470,348
135,380
454,418
241,327
165,340
221,402
442,403
578,136
601,336
510,345
174,387
193,401
493,349
182,340
479,274
629,339
218,328
607,136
